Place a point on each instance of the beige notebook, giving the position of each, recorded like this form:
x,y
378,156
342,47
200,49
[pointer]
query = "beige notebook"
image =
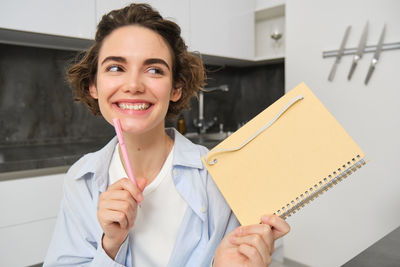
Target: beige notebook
x,y
284,157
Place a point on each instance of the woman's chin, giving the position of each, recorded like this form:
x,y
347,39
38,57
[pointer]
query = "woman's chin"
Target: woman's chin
x,y
138,127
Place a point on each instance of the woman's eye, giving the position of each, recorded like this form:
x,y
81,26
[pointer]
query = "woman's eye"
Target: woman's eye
x,y
155,71
113,68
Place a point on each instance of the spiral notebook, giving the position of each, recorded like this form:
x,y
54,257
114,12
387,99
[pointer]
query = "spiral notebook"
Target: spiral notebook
x,y
283,158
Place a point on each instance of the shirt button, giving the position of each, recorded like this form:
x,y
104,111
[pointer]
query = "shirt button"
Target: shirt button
x,y
203,209
175,172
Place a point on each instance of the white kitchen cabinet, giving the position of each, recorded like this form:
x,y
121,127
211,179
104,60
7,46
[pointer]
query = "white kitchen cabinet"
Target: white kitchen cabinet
x,y
269,24
72,18
223,28
219,28
231,31
175,10
268,4
28,209
224,31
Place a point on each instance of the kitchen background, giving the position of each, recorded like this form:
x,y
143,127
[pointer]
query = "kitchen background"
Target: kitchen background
x,y
42,131
41,126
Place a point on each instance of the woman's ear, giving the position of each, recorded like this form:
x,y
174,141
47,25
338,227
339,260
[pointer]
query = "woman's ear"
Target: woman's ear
x,y
176,94
93,91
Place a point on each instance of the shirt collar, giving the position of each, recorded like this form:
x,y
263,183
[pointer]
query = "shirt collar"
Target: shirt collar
x,y
186,153
98,164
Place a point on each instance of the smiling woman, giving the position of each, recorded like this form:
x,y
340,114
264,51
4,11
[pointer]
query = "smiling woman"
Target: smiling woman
x,y
187,69
134,80
140,72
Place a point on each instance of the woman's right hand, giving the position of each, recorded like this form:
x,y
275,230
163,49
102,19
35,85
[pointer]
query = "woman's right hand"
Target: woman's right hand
x,y
117,212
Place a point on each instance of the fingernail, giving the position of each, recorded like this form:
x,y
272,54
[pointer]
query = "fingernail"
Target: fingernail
x,y
264,218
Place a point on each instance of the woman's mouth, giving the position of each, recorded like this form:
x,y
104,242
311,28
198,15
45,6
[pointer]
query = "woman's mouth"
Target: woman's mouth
x,y
134,106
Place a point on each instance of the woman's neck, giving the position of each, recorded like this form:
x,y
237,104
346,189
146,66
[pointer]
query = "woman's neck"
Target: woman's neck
x,y
148,152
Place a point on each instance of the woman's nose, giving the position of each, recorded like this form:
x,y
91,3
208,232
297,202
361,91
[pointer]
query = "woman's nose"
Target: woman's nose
x,y
133,83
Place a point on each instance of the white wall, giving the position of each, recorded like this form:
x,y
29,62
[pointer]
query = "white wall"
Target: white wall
x,y
365,207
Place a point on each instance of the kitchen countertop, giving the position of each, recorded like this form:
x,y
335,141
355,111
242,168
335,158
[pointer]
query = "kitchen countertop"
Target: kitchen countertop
x,y
24,161
385,252
51,158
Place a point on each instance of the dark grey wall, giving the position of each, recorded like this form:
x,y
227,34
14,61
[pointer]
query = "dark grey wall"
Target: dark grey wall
x,y
37,107
36,104
41,126
251,90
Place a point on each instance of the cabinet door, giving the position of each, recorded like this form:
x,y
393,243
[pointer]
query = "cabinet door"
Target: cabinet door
x,y
175,10
270,24
72,18
223,28
28,209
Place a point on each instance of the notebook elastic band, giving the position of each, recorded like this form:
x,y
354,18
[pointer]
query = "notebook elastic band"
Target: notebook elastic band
x,y
266,126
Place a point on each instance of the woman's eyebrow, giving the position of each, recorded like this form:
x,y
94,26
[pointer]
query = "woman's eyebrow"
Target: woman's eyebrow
x,y
114,58
150,61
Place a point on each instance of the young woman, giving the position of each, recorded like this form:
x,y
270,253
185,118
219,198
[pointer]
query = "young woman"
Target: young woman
x,y
139,71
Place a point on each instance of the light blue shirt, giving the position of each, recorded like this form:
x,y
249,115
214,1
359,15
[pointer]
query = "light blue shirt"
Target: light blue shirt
x,y
77,236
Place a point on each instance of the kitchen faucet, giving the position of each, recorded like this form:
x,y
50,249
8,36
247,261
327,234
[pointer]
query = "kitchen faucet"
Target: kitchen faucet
x,y
200,123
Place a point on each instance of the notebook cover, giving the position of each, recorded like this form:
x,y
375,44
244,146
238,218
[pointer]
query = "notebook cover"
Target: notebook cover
x,y
301,148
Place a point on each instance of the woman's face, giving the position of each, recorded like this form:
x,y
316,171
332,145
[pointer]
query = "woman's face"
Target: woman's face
x,y
134,79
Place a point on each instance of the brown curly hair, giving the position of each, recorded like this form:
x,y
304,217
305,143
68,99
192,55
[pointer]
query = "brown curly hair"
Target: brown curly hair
x,y
187,69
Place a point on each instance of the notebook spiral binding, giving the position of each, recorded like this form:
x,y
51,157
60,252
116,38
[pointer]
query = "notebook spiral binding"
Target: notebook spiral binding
x,y
322,186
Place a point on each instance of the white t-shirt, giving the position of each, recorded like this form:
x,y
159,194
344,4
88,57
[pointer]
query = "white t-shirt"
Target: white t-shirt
x,y
158,218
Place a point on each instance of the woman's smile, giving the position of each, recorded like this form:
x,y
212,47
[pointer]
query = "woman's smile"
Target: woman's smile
x,y
131,106
134,79
136,107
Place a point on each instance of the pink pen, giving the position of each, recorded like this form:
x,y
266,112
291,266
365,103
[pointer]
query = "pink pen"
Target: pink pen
x,y
118,130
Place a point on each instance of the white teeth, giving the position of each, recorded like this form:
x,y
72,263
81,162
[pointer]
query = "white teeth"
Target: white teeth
x,y
142,106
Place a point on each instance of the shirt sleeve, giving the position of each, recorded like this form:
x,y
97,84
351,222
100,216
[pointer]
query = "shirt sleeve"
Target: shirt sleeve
x,y
76,240
102,259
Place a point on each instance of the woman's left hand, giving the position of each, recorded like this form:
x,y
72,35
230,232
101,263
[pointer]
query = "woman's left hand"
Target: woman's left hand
x,y
251,245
